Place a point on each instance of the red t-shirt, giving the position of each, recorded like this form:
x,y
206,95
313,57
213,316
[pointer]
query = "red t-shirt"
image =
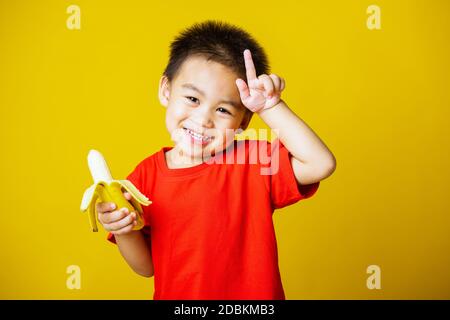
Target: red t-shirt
x,y
210,226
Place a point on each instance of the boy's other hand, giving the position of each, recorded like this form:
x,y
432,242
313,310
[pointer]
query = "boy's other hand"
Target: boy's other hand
x,y
118,222
259,93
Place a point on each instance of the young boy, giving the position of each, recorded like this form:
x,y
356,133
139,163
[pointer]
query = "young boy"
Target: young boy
x,y
209,232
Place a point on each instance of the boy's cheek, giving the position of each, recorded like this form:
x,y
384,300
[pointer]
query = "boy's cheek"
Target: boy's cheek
x,y
224,139
175,114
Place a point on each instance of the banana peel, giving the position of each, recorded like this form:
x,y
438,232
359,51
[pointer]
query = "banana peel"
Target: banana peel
x,y
106,189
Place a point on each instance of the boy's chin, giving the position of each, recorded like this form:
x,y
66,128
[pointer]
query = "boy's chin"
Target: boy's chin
x,y
196,151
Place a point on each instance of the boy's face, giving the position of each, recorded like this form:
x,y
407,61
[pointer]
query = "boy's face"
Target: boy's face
x,y
203,107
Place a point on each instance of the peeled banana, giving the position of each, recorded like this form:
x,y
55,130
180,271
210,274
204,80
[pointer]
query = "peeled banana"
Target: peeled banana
x,y
105,189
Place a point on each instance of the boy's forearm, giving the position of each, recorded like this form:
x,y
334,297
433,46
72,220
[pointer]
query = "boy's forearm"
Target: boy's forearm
x,y
136,252
298,138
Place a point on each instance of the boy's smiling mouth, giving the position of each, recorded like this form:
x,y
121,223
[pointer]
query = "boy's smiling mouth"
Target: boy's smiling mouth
x,y
197,137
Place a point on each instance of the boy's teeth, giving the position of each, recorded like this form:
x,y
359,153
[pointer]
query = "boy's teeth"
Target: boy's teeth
x,y
197,135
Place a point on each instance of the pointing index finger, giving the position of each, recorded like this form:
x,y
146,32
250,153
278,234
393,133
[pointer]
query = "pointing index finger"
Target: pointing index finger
x,y
249,66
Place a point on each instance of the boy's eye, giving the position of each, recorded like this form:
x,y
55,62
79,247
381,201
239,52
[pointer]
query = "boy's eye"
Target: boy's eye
x,y
192,99
223,110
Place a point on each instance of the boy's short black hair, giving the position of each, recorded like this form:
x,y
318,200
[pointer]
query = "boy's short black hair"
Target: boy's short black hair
x,y
217,41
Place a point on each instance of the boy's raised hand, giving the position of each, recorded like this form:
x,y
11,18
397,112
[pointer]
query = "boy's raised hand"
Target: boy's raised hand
x,y
118,222
259,93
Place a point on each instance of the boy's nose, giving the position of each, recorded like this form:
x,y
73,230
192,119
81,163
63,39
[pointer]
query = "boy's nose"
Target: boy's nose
x,y
202,117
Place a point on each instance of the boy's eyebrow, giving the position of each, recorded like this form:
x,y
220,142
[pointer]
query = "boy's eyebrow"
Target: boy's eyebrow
x,y
192,87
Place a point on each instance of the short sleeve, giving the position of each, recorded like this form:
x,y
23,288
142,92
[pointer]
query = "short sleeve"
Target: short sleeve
x,y
284,189
135,177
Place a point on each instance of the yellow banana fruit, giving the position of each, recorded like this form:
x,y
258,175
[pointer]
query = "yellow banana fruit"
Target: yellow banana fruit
x,y
105,189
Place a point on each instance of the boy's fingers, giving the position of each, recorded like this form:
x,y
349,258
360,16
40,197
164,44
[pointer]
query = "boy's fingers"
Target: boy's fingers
x,y
110,217
122,223
243,89
268,84
282,84
105,206
276,81
249,66
125,229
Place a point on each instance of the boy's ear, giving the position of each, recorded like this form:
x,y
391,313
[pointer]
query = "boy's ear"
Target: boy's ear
x,y
164,91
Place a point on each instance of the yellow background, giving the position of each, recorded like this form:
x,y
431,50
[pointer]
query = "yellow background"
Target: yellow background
x,y
379,99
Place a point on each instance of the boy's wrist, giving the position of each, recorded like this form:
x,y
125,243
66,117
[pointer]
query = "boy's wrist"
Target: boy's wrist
x,y
264,112
129,235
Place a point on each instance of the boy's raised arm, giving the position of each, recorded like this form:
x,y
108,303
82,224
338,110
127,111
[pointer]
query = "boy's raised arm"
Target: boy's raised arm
x,y
311,160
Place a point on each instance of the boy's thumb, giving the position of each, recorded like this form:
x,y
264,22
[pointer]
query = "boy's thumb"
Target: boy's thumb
x,y
127,195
